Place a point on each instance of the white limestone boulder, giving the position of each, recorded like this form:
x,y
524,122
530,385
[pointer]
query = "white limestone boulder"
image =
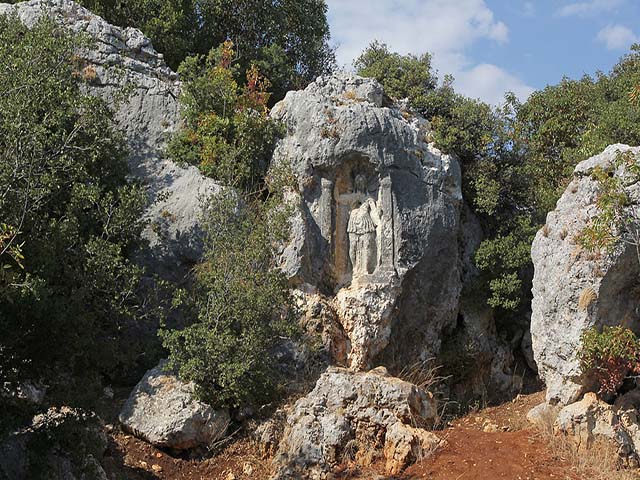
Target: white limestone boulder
x,y
574,290
162,411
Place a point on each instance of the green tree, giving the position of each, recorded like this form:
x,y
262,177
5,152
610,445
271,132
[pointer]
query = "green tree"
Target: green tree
x,y
70,217
241,304
226,131
403,76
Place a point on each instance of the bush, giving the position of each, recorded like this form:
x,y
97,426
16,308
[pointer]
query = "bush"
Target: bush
x,y
614,221
241,305
610,356
403,76
69,216
227,131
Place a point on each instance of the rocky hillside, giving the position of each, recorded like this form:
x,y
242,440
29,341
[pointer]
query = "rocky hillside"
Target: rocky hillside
x,y
124,59
381,265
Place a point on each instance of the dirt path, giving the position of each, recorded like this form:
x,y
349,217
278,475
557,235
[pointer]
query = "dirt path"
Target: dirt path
x,y
474,454
492,444
496,443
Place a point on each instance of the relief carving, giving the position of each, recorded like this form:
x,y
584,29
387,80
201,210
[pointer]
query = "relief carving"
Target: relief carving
x,y
368,224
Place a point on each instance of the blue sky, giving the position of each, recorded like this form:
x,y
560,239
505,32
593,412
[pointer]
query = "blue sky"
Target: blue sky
x,y
492,46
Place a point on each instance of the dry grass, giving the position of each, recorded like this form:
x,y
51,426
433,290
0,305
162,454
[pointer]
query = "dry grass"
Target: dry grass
x,y
545,230
351,95
329,132
587,297
597,461
89,74
423,374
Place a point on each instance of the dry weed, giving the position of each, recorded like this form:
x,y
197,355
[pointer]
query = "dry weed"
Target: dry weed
x,y
597,461
587,297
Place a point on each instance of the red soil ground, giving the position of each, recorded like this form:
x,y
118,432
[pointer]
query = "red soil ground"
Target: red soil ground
x,y
495,443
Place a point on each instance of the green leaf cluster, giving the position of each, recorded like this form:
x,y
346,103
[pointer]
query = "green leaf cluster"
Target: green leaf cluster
x,y
226,130
241,304
69,216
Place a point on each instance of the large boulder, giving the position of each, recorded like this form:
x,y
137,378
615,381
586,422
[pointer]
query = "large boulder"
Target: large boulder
x,y
123,58
591,420
360,416
574,290
377,219
162,410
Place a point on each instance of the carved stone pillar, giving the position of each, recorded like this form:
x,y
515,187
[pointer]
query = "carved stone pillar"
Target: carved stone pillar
x,y
386,231
325,210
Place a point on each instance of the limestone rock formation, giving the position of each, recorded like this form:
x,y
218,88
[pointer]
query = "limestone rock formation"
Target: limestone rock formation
x,y
162,411
574,290
363,416
590,420
377,220
124,58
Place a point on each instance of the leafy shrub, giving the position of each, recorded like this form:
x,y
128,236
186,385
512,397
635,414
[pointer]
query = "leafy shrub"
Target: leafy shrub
x,y
613,221
610,356
227,131
403,76
69,216
241,304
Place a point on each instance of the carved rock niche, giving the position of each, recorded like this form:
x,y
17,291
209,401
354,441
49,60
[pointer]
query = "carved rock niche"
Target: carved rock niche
x,y
357,219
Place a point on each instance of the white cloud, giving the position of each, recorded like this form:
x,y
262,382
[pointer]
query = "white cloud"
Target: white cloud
x,y
616,37
443,28
591,7
489,83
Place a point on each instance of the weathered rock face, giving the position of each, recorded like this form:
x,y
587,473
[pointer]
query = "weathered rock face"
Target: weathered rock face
x,y
377,224
148,116
162,411
591,419
357,415
574,290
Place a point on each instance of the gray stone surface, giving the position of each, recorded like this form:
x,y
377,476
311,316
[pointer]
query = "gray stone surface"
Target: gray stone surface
x,y
149,115
564,273
162,411
377,218
590,420
365,416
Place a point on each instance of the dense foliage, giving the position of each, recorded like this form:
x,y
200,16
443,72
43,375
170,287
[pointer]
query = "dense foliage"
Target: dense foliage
x,y
518,158
288,39
226,130
241,304
69,217
610,356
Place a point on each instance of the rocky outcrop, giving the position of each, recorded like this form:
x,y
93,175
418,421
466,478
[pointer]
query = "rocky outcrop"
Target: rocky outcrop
x,y
357,416
574,290
377,219
162,410
591,420
148,114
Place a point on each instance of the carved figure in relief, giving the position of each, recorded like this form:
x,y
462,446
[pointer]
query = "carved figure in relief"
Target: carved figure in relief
x,y
364,218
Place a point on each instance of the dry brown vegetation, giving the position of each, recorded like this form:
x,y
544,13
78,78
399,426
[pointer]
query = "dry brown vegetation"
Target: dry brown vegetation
x,y
597,461
587,297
